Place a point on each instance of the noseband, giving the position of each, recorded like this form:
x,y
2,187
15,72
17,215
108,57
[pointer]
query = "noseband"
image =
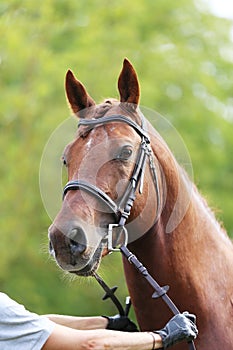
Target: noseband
x,y
123,209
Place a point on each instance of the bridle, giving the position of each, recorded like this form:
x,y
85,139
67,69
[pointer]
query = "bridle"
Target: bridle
x,y
123,208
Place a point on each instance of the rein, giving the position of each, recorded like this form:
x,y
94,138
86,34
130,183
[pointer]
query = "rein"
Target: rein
x,y
123,209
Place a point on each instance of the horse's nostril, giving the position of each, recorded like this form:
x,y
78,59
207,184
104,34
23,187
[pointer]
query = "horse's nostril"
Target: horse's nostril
x,y
77,248
77,241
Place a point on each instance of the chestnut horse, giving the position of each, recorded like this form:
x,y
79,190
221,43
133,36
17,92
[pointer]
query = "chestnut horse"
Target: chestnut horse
x,y
171,229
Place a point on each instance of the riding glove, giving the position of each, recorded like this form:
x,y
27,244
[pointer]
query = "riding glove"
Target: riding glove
x,y
180,327
121,323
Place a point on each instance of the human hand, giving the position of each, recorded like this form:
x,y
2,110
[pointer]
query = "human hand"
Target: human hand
x,y
180,327
121,323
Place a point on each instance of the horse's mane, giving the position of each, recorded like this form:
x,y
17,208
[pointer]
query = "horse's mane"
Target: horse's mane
x,y
211,213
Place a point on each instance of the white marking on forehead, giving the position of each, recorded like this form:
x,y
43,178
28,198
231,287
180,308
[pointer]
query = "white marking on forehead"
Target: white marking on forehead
x,y
92,140
112,128
89,145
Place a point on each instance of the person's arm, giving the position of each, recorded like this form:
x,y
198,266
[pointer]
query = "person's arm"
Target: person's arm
x,y
67,338
80,323
116,323
180,328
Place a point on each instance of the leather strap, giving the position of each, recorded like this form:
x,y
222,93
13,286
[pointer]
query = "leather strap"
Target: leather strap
x,y
115,118
97,192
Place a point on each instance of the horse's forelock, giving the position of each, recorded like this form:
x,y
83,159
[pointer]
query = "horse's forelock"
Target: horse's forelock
x,y
104,107
127,109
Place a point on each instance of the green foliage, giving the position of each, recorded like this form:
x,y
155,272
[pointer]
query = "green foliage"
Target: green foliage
x,y
183,57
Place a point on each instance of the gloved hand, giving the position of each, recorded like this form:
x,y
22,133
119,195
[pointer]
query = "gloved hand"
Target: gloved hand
x,y
121,323
180,327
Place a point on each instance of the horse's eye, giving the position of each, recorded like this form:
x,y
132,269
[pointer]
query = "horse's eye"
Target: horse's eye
x,y
125,153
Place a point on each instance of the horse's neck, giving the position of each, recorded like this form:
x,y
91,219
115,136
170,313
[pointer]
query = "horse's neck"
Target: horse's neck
x,y
188,226
188,250
194,259
189,221
187,231
183,207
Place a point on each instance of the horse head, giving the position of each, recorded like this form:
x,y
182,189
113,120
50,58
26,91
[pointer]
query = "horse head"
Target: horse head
x,y
100,162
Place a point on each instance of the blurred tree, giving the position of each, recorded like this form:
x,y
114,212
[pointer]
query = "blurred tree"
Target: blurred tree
x,y
183,56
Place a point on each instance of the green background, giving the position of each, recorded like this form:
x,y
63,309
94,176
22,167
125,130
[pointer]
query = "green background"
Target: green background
x,y
183,56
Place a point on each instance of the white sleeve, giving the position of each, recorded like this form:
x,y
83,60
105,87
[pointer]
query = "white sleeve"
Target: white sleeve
x,y
21,329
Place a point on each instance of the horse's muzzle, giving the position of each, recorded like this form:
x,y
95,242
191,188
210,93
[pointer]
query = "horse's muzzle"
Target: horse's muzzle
x,y
69,248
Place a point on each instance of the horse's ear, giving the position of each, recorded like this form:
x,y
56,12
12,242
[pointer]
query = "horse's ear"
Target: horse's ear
x,y
77,94
128,84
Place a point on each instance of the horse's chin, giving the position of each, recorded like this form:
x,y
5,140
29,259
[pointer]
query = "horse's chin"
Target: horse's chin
x,y
88,270
91,267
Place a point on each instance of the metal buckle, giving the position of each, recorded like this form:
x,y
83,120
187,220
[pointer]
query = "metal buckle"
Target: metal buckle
x,y
110,237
